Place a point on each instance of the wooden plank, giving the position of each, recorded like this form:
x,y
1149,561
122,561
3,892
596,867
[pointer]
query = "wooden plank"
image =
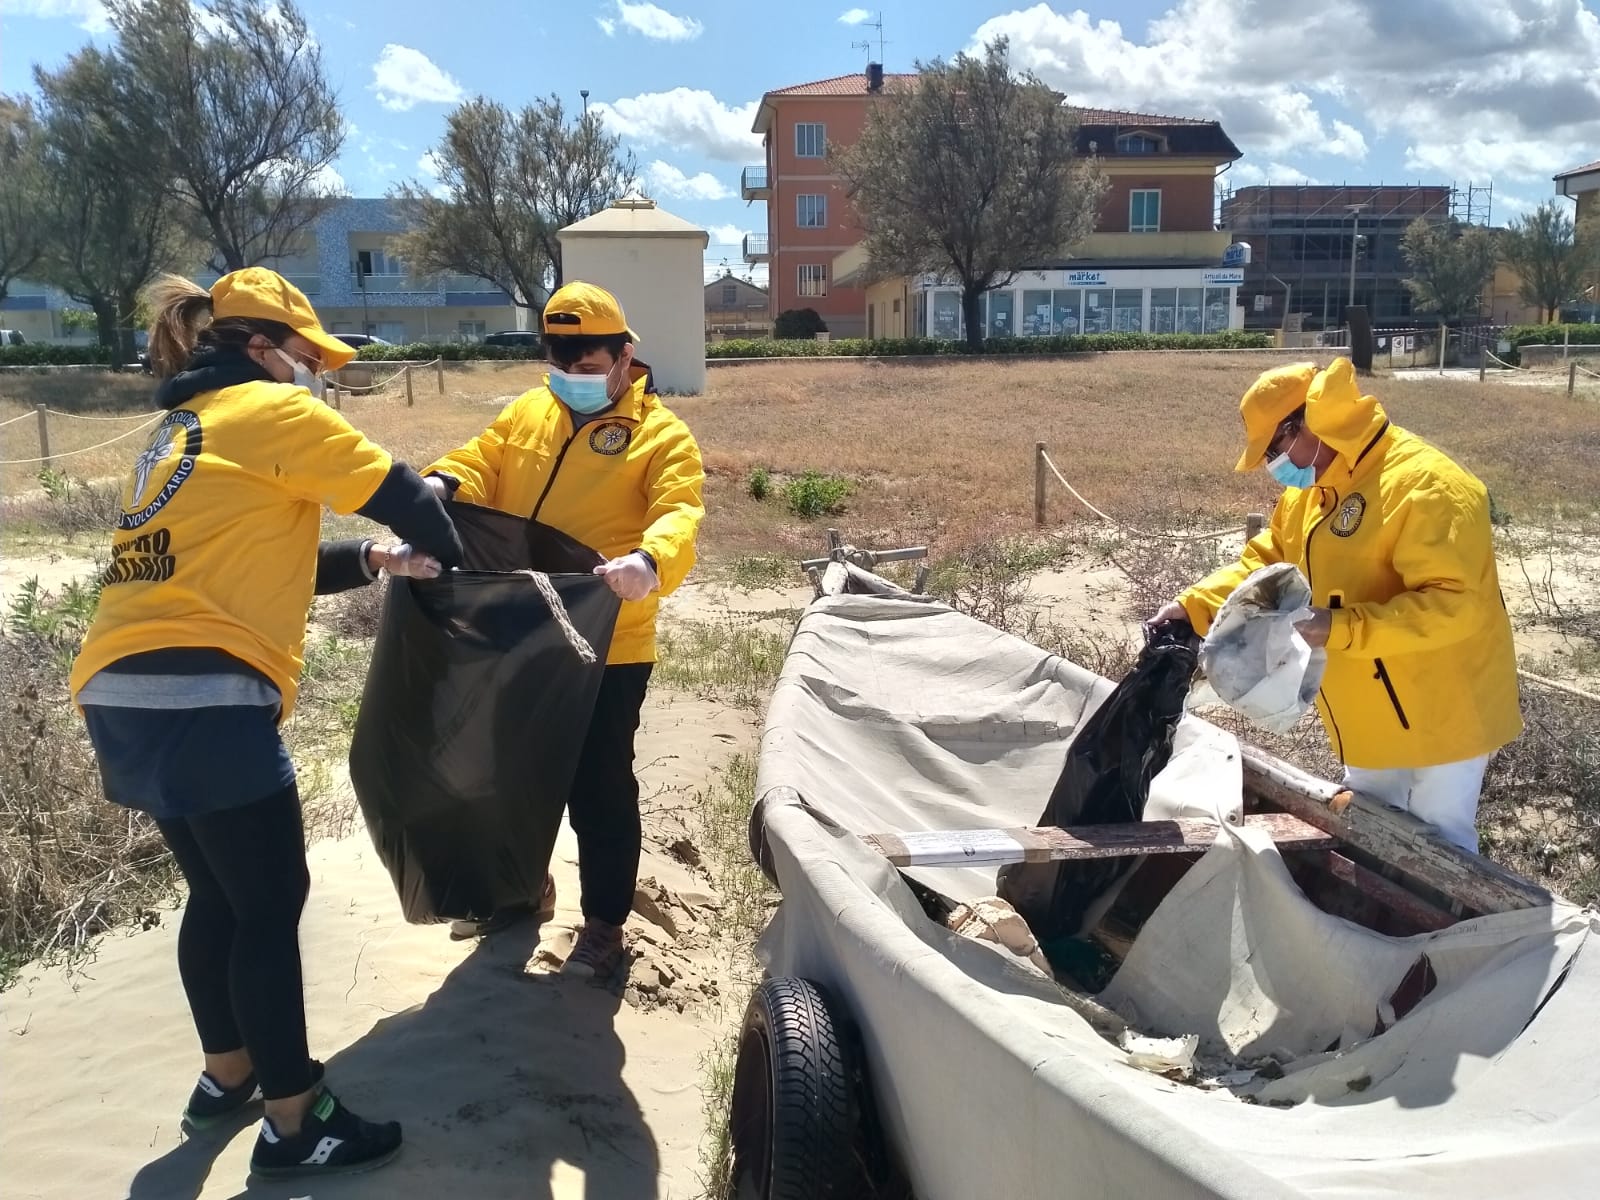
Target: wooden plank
x,y
995,847
1391,837
1391,895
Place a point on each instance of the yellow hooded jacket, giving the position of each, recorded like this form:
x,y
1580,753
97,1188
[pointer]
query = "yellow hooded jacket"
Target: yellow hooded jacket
x,y
629,479
1395,538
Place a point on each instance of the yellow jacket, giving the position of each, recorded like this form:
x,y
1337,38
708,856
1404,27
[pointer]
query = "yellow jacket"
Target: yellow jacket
x,y
629,479
1395,538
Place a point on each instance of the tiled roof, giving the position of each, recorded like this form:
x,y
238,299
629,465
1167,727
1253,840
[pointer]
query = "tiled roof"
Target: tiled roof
x,y
1112,116
840,85
1583,170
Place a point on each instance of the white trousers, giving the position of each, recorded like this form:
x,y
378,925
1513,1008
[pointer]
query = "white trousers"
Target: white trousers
x,y
1445,796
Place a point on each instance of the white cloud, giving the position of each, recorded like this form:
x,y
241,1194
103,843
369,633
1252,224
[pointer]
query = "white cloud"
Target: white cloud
x,y
667,180
1247,173
1347,142
651,21
89,14
1507,89
431,168
726,235
856,16
403,78
685,119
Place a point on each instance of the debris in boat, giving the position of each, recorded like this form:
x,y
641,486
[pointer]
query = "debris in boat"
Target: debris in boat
x,y
1123,745
1254,658
993,920
1161,1056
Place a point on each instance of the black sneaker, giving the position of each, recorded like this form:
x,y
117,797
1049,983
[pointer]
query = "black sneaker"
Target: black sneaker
x,y
331,1141
210,1103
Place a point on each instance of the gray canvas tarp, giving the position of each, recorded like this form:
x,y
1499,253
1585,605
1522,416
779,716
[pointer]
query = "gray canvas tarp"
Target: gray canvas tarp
x,y
898,715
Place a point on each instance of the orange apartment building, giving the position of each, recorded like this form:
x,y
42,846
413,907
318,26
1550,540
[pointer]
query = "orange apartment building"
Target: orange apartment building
x,y
1154,263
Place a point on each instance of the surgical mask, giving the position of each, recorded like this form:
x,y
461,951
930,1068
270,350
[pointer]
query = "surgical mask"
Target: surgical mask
x,y
1285,472
303,376
581,393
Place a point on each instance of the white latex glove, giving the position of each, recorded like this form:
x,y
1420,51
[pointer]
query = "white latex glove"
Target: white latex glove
x,y
403,560
439,486
630,576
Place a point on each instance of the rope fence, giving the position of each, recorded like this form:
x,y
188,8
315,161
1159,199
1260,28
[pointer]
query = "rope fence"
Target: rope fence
x,y
46,458
1486,356
1045,466
336,390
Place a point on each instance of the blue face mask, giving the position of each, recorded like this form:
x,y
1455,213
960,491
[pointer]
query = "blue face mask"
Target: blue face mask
x,y
584,394
1291,476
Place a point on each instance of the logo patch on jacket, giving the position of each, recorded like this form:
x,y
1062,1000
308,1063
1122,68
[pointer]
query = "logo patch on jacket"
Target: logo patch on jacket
x,y
162,467
610,438
1348,519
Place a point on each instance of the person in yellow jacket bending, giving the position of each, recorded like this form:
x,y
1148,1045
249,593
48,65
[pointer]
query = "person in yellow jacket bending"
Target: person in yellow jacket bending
x,y
1394,538
595,454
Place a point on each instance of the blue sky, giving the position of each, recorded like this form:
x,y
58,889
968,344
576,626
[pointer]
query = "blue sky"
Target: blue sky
x,y
1358,91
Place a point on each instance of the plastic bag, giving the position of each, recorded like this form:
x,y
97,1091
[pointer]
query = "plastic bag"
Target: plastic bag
x,y
474,714
1106,781
1254,659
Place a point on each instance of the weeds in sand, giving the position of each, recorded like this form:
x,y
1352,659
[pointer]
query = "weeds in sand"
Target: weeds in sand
x,y
991,580
68,507
54,625
754,572
736,663
816,495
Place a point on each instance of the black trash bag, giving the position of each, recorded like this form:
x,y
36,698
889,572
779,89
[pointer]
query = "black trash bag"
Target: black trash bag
x,y
1106,781
473,717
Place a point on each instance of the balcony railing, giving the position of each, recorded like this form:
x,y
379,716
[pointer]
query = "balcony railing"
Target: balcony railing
x,y
754,184
467,283
390,283
755,248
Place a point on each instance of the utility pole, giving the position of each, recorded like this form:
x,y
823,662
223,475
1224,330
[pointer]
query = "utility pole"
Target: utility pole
x,y
1355,236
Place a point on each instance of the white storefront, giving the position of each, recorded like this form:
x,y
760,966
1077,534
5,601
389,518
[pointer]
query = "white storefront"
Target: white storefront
x,y
1091,300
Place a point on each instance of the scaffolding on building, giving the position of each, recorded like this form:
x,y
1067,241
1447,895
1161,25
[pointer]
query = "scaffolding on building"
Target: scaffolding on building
x,y
1317,248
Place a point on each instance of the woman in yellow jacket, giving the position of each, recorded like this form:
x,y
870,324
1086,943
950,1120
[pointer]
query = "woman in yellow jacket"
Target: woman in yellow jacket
x,y
1394,538
595,454
194,659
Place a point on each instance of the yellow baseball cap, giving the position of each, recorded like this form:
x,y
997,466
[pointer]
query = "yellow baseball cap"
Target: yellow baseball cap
x,y
1272,397
583,310
262,295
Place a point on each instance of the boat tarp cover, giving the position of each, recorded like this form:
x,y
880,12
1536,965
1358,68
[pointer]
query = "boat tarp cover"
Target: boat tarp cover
x,y
899,715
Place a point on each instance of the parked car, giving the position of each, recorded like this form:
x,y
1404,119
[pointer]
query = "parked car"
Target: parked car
x,y
12,337
525,338
359,340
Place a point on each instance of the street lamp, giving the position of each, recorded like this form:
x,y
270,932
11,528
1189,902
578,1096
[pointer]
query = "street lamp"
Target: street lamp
x,y
1355,225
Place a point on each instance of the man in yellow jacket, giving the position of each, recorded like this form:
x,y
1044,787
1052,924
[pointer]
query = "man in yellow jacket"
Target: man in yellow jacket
x,y
595,454
1394,538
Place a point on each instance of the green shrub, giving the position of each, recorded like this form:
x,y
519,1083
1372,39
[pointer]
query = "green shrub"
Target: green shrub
x,y
798,324
815,494
759,484
449,351
42,354
1088,343
1548,335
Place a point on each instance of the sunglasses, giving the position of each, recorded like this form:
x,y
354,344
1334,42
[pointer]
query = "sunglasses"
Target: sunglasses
x,y
1284,436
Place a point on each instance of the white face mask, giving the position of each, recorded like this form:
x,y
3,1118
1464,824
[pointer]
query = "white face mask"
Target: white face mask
x,y
303,376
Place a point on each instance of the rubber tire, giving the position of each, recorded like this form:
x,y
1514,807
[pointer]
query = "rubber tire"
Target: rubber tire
x,y
795,1117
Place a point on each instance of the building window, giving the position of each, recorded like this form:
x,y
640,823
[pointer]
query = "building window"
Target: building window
x,y
946,321
810,141
1163,310
811,212
1144,210
389,331
1001,306
378,262
1190,301
1097,310
810,280
1045,314
897,306
472,331
730,295
1218,302
1138,143
1127,310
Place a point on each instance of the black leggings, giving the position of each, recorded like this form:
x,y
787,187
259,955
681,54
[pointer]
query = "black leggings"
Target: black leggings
x,y
239,946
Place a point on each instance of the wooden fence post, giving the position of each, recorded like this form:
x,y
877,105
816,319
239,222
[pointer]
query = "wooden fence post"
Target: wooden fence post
x,y
438,365
1483,363
410,400
43,414
1572,378
1040,477
1253,525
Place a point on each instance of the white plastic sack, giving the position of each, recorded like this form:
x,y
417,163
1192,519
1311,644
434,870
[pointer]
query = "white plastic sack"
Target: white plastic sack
x,y
1254,658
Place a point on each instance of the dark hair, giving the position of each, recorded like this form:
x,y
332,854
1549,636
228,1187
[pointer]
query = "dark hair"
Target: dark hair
x,y
181,322
566,349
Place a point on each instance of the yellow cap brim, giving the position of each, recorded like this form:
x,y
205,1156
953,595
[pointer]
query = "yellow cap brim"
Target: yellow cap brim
x,y
335,353
1255,454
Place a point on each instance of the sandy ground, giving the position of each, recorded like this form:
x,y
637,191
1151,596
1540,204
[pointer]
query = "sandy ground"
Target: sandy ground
x,y
510,1081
